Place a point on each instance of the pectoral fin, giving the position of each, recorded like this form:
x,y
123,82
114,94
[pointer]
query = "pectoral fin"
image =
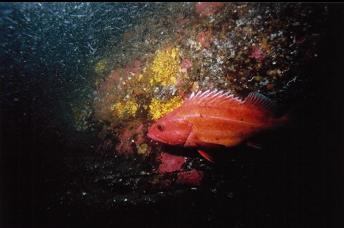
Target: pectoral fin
x,y
206,155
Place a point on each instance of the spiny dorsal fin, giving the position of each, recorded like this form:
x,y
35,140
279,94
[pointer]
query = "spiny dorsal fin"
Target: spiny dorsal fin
x,y
261,101
213,98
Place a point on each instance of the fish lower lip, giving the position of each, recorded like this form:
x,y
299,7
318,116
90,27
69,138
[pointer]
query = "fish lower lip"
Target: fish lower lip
x,y
153,138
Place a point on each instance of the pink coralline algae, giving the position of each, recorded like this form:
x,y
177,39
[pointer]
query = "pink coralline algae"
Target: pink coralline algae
x,y
257,54
124,146
114,77
133,68
193,177
129,138
204,38
109,83
205,9
170,163
185,65
108,89
182,21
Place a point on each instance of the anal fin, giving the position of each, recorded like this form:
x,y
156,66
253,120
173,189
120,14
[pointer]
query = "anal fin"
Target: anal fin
x,y
206,155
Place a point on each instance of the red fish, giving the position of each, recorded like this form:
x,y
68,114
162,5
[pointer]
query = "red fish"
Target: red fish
x,y
213,119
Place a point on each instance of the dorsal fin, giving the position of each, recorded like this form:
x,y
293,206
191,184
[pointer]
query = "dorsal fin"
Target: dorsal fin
x,y
213,98
261,101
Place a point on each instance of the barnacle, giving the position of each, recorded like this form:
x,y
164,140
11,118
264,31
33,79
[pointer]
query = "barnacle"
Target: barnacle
x,y
165,67
158,108
125,109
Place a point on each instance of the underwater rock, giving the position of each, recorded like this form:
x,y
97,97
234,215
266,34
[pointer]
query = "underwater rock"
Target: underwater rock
x,y
108,103
106,146
170,163
233,47
133,68
182,21
101,66
185,65
130,139
193,177
105,97
124,147
205,9
205,38
257,54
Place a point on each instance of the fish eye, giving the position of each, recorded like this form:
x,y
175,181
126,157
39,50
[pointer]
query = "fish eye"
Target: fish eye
x,y
160,127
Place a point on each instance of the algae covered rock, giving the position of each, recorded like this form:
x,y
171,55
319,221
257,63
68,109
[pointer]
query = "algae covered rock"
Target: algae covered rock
x,y
237,47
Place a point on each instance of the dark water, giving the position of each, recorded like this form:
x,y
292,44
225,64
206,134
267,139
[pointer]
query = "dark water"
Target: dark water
x,y
51,177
